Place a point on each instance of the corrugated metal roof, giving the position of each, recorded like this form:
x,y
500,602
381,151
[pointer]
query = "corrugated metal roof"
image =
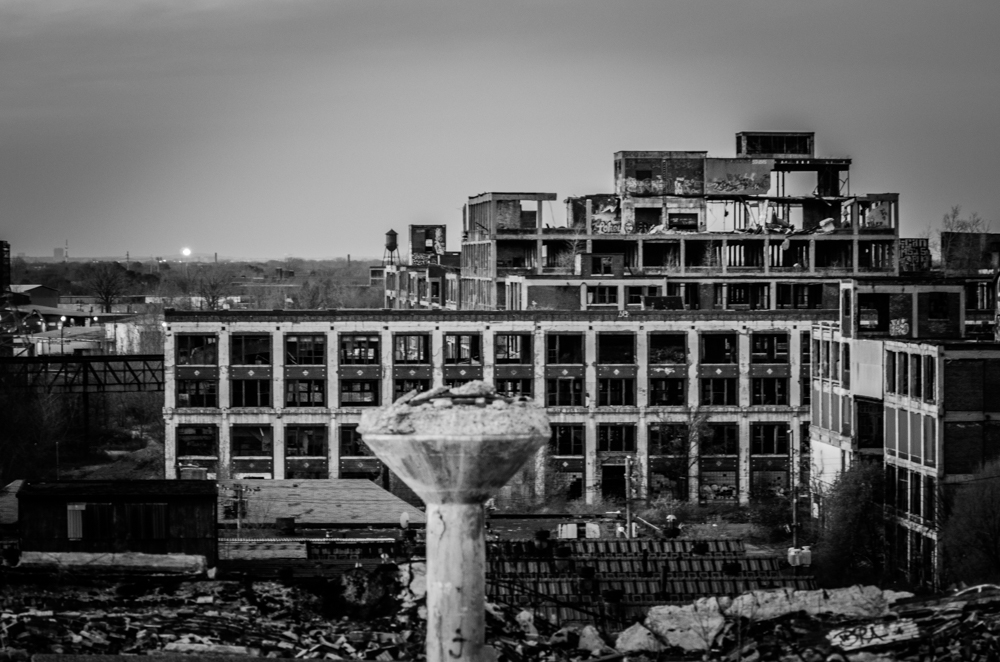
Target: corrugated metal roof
x,y
321,502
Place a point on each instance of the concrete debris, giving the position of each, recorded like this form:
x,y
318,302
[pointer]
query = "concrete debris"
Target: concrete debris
x,y
692,627
126,562
268,619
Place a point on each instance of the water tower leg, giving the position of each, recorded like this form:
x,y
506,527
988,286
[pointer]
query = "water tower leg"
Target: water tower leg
x,y
456,586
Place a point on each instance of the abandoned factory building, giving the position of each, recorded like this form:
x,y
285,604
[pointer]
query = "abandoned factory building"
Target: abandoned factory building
x,y
675,320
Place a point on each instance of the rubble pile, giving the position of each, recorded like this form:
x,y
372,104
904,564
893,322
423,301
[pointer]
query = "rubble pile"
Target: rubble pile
x,y
269,619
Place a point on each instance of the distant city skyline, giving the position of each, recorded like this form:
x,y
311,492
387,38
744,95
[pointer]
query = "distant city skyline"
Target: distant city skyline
x,y
252,127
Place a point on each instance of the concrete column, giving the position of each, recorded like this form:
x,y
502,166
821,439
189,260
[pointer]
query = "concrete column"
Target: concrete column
x,y
224,390
385,346
694,356
642,360
642,455
437,357
488,354
743,385
225,448
743,464
590,220
170,447
538,364
621,296
794,367
333,446
590,368
795,448
591,478
278,448
583,296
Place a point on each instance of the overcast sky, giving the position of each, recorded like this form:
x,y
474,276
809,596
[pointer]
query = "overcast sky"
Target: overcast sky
x,y
309,128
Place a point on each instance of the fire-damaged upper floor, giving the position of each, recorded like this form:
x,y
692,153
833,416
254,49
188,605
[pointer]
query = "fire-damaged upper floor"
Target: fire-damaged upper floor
x,y
774,207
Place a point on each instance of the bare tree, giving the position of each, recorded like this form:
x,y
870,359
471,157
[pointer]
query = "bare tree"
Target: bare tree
x,y
851,546
971,532
952,243
108,281
213,283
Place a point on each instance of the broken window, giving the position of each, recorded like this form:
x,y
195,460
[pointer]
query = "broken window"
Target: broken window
x,y
564,349
668,348
635,294
514,388
938,306
720,439
359,349
462,349
667,392
196,349
602,295
567,440
359,392
769,348
247,349
719,391
719,348
251,440
197,440
411,348
615,348
668,439
301,349
305,441
513,348
616,438
305,392
616,392
602,265
682,221
250,392
769,391
769,439
401,387
564,392
351,443
197,392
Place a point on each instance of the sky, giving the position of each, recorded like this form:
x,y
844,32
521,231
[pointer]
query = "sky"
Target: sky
x,y
309,128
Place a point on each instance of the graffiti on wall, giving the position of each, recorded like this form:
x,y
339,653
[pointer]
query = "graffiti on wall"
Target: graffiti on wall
x,y
914,255
899,327
738,176
605,219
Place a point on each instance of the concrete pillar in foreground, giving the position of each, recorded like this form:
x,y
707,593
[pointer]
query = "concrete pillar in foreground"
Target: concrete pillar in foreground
x,y
455,448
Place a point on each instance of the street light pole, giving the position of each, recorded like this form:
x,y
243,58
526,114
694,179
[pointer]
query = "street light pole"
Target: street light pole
x,y
62,326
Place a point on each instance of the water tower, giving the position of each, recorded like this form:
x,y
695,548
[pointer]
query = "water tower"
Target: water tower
x,y
391,254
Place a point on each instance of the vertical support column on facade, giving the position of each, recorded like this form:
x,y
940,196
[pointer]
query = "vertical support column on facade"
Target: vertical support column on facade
x,y
385,345
642,360
724,256
812,256
223,361
773,297
590,220
591,468
621,296
333,446
489,355
693,394
278,403
583,296
743,385
539,224
538,365
437,356
642,458
225,447
170,446
794,367
854,254
590,369
743,463
795,455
